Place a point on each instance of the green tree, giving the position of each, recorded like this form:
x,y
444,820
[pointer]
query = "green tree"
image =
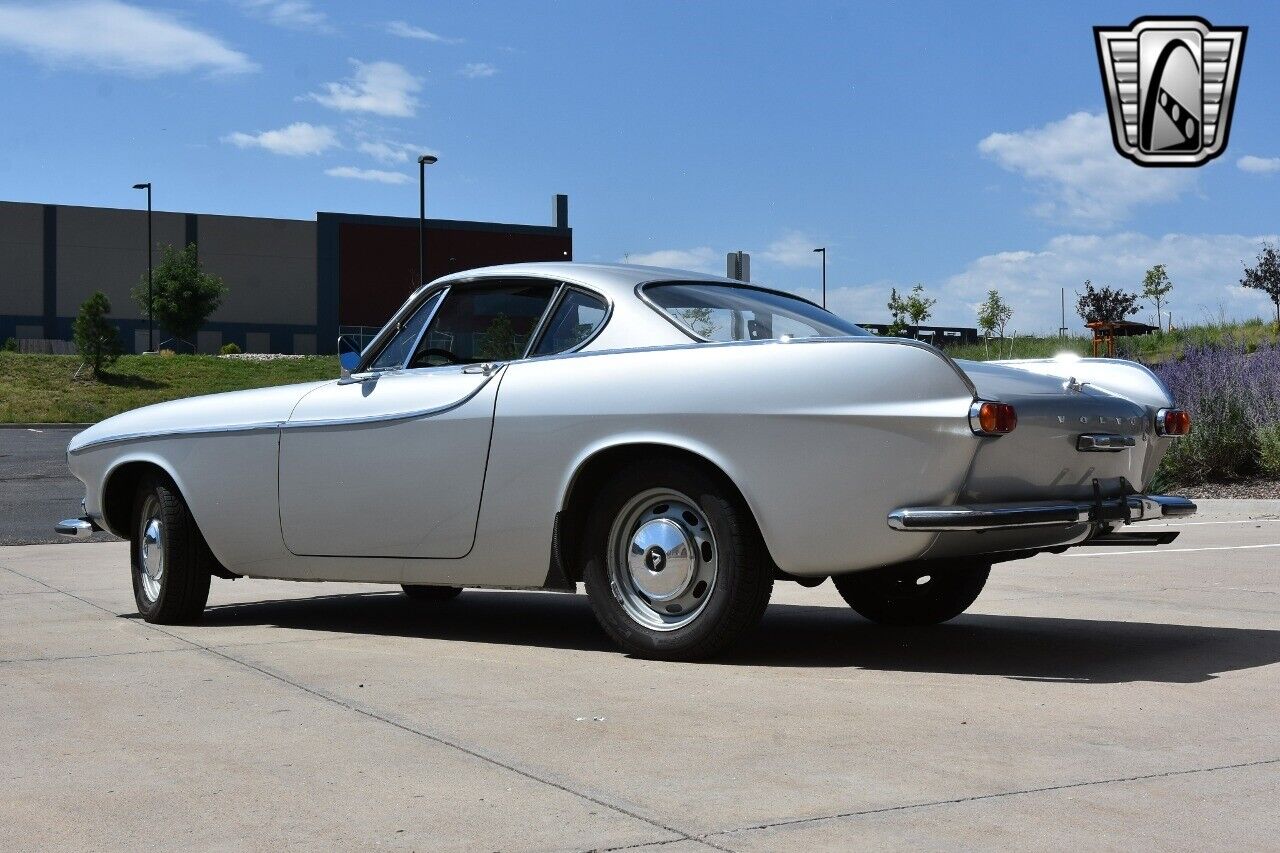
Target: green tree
x,y
1105,304
1265,276
1156,286
182,295
919,307
498,342
95,338
994,314
898,313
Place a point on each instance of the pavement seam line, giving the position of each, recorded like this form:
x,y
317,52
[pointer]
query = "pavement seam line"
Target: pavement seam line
x,y
981,797
188,648
319,694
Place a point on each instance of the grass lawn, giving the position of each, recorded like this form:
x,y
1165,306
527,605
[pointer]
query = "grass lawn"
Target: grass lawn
x,y
1152,349
41,388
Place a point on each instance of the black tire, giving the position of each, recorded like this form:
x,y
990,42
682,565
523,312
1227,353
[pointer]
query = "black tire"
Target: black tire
x,y
420,592
898,597
737,595
180,592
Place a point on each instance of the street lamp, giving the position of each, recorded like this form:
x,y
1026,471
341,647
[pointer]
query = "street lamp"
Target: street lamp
x,y
423,162
151,332
823,250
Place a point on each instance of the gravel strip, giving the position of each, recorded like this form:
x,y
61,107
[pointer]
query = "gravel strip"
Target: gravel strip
x,y
1245,490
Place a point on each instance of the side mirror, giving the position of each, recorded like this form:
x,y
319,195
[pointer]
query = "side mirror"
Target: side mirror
x,y
348,354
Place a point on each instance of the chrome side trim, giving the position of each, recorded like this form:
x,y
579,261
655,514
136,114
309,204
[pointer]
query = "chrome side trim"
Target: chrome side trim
x,y
1002,516
175,433
392,418
283,425
1104,442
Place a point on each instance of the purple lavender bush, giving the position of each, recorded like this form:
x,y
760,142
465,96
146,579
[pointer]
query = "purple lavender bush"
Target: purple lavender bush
x,y
1234,400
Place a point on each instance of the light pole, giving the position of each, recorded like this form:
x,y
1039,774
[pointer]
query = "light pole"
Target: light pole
x,y
823,250
423,162
151,332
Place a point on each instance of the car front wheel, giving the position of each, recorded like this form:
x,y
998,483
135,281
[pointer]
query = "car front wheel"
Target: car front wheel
x,y
916,594
674,563
169,558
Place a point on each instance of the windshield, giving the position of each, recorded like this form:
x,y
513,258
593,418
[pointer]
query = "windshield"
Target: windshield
x,y
726,312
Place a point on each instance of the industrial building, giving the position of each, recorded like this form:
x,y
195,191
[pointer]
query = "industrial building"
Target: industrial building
x,y
292,284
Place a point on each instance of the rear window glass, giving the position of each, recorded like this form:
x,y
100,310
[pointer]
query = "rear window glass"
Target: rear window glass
x,y
725,312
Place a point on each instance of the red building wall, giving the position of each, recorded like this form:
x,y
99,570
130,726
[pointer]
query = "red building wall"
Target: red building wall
x,y
378,260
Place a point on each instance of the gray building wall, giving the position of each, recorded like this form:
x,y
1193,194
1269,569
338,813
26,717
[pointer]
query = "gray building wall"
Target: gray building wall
x,y
268,264
103,249
22,260
53,257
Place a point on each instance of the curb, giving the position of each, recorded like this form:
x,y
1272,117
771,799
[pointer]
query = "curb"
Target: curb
x,y
1245,506
45,426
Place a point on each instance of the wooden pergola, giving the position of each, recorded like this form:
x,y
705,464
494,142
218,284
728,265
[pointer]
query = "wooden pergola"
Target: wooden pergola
x,y
1105,333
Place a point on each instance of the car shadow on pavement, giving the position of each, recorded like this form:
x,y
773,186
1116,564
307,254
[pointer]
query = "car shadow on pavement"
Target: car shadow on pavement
x,y
1037,648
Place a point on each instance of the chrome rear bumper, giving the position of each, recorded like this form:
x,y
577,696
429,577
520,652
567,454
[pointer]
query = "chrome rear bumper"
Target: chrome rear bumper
x,y
1004,516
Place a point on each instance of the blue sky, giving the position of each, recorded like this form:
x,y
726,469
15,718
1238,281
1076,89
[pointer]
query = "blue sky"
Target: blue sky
x,y
961,148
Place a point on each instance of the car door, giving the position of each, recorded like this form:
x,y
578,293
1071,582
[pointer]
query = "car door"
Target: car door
x,y
391,462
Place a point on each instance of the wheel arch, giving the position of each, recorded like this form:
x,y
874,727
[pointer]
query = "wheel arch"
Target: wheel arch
x,y
598,465
120,484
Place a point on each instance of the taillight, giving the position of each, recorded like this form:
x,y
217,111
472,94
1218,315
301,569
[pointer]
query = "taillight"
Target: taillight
x,y
987,418
1173,422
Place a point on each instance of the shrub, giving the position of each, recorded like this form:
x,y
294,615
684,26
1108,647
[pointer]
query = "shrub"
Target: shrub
x,y
96,339
1269,449
229,349
11,345
1234,400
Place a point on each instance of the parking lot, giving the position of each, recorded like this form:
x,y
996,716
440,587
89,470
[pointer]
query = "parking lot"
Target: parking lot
x,y
1099,699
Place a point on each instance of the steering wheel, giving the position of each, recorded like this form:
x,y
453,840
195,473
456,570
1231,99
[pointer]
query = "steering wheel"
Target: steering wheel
x,y
435,357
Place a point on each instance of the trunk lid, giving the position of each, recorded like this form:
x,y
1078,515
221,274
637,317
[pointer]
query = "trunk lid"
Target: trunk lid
x,y
1041,458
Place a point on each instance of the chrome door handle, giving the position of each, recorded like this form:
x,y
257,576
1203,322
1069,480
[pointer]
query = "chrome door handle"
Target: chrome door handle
x,y
484,369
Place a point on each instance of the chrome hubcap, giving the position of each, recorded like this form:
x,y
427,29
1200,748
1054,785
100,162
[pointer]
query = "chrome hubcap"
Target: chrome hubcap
x,y
151,549
662,559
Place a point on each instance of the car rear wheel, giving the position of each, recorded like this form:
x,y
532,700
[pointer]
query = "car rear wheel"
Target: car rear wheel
x,y
674,564
170,561
914,595
420,592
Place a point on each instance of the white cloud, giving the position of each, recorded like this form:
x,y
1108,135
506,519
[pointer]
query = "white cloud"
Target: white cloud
x,y
794,249
1074,165
701,259
1205,269
477,70
385,151
296,140
381,88
376,175
291,14
1259,165
408,31
112,36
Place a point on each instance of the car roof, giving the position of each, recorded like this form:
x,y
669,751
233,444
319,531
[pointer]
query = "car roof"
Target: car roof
x,y
616,281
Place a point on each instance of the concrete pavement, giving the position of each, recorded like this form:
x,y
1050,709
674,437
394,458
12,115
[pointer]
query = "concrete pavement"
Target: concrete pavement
x,y
1099,699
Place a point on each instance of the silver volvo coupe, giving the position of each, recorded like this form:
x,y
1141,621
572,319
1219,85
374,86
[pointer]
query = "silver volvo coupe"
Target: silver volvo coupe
x,y
677,442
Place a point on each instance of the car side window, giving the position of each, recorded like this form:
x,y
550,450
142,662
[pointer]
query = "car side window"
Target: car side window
x,y
478,323
578,315
397,349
